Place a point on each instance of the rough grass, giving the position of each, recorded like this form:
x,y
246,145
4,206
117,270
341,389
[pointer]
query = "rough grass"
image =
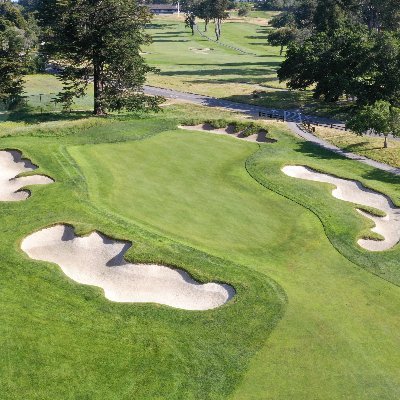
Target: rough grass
x,y
371,147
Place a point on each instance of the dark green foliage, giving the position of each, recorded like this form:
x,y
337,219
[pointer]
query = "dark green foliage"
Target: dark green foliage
x,y
99,40
344,49
381,118
282,37
17,40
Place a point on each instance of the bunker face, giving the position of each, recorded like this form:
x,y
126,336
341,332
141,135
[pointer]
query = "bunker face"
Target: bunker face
x,y
11,165
260,137
355,192
99,261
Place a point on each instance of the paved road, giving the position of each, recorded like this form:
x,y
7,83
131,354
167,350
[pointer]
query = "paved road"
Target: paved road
x,y
289,115
292,117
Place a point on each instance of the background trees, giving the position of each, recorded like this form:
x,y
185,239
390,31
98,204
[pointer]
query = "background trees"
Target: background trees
x,y
98,41
17,40
207,10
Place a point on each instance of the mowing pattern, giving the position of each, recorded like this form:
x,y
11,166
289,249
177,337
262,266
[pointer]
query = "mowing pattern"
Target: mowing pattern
x,y
11,165
99,261
354,192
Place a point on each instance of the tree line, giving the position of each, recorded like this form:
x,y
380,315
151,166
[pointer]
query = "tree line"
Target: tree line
x,y
345,49
89,41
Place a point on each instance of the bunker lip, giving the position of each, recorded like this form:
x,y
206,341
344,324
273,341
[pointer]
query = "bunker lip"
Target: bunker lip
x,y
98,260
354,192
260,137
12,176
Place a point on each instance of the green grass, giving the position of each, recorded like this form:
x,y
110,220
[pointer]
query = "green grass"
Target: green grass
x,y
221,71
371,147
40,90
339,335
221,209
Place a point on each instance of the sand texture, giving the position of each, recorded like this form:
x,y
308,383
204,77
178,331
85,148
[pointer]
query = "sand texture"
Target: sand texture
x,y
99,261
355,192
260,137
11,165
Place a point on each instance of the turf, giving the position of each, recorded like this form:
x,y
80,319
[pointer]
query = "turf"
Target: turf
x,y
368,146
221,209
339,335
221,71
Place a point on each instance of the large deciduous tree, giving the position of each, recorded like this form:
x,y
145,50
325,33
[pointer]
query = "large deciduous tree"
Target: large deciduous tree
x,y
381,118
17,39
99,41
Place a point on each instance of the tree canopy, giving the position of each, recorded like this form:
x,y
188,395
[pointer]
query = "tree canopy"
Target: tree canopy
x,y
98,41
17,40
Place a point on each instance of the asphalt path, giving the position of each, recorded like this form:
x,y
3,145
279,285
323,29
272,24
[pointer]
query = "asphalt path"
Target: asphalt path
x,y
293,117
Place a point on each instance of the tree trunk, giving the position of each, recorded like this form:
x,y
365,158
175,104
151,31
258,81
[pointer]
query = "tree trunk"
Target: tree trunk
x,y
385,144
98,90
206,21
218,28
281,49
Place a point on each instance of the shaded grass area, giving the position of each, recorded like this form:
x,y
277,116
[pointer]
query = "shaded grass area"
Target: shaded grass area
x,y
60,339
338,337
371,147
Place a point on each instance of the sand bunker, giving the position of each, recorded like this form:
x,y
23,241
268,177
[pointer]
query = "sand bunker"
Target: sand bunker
x,y
99,261
11,165
260,137
202,50
355,192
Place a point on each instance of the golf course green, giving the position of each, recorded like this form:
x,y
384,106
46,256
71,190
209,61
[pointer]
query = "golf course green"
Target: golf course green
x,y
314,315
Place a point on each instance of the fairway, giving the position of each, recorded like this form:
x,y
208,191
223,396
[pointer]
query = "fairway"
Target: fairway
x,y
339,331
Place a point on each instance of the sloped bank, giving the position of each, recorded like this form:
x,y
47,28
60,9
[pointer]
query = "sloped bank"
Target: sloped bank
x,y
387,226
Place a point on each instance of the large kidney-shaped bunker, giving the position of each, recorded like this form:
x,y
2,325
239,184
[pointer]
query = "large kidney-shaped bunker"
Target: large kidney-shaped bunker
x,y
99,261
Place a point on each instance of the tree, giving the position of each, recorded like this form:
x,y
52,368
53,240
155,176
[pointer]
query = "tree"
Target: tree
x,y
244,9
218,12
16,43
281,37
381,118
99,41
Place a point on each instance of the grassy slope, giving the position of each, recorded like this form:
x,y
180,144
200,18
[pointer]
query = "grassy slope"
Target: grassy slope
x,y
61,340
41,89
371,147
339,337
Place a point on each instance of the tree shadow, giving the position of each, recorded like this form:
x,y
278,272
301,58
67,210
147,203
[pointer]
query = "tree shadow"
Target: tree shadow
x,y
312,150
37,118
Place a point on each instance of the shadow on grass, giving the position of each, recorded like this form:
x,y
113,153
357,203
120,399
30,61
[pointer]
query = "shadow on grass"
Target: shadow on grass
x,y
30,117
314,151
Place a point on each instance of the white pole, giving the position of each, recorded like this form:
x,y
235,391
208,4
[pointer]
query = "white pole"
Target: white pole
x,y
179,8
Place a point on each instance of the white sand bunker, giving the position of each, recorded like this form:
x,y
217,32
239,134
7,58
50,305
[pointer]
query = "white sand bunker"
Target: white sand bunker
x,y
99,261
202,50
355,192
11,165
260,137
